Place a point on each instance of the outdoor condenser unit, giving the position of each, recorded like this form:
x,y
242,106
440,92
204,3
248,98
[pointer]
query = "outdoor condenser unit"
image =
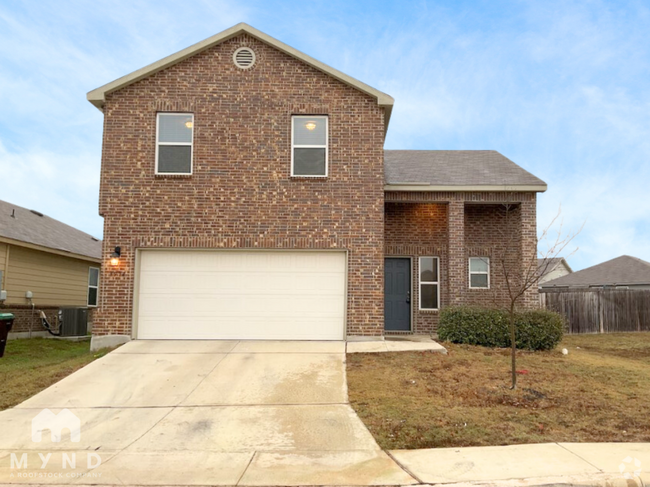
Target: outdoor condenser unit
x,y
73,322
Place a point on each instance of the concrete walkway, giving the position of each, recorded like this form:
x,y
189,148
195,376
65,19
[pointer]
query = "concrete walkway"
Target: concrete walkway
x,y
202,413
408,343
540,464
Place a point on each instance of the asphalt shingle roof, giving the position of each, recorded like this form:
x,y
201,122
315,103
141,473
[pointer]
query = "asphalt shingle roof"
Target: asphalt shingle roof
x,y
455,168
28,226
622,271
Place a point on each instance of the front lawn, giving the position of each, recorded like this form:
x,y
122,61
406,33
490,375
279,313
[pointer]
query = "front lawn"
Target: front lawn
x,y
31,365
600,391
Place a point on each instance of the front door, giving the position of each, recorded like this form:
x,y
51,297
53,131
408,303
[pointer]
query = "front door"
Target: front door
x,y
397,294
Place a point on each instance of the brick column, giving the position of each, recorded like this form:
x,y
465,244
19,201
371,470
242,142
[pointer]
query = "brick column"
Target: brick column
x,y
529,246
456,251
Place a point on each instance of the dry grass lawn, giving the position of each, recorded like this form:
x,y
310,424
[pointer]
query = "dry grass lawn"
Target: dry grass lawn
x,y
600,391
31,365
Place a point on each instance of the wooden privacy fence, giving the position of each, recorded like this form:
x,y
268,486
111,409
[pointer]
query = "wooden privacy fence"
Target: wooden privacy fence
x,y
600,310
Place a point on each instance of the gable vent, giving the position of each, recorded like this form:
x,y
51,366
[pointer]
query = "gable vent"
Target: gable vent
x,y
244,57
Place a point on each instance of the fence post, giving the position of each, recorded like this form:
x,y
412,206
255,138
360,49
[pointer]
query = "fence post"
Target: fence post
x,y
601,314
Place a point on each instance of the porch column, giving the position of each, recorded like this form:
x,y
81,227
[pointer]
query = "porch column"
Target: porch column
x,y
528,224
456,251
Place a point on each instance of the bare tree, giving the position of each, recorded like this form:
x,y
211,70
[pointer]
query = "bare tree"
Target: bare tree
x,y
521,272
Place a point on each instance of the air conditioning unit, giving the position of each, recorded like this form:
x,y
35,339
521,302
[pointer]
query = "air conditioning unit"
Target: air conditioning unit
x,y
73,322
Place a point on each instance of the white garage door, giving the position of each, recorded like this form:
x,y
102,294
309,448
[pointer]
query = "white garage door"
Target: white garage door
x,y
283,295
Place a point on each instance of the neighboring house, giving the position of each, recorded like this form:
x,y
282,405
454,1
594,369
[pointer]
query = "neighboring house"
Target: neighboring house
x,y
549,269
623,272
55,264
247,195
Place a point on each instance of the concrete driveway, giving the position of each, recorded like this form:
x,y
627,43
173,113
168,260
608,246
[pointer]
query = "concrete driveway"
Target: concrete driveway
x,y
201,412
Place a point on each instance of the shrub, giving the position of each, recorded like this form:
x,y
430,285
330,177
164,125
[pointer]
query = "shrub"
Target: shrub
x,y
535,329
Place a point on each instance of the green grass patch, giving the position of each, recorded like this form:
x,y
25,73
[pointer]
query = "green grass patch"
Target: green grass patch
x,y
33,364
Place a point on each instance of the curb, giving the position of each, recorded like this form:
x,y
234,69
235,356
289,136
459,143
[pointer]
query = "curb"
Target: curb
x,y
591,480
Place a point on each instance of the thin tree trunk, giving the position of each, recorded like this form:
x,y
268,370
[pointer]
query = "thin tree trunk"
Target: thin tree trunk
x,y
513,347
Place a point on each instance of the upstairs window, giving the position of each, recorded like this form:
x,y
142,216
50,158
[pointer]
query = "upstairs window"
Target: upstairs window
x,y
479,273
309,146
174,135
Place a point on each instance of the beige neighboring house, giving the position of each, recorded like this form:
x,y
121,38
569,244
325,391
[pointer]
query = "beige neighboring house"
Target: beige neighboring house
x,y
44,265
556,268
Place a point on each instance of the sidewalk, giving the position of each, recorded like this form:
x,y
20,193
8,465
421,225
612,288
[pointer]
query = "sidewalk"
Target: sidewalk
x,y
539,464
545,464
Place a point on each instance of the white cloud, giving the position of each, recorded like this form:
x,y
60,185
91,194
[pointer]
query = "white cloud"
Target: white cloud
x,y
62,186
50,136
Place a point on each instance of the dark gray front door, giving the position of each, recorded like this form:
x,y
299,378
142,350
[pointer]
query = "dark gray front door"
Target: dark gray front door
x,y
397,294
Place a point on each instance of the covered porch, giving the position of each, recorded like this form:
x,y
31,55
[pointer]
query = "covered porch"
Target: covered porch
x,y
449,248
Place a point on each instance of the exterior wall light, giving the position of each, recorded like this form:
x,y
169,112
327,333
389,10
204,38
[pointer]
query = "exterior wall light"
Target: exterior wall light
x,y
115,256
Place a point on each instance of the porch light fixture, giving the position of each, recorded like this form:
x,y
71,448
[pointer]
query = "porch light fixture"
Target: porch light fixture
x,y
115,256
310,125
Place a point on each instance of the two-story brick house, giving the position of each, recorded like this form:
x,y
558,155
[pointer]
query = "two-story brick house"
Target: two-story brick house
x,y
246,194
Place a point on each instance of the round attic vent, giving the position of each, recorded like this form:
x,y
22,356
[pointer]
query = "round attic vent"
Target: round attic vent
x,y
244,57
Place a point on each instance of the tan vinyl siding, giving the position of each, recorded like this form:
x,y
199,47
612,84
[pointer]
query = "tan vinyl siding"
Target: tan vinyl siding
x,y
559,271
3,259
3,255
54,280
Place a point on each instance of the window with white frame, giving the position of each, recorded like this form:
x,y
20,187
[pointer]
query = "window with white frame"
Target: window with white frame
x,y
309,145
429,283
93,286
174,136
479,272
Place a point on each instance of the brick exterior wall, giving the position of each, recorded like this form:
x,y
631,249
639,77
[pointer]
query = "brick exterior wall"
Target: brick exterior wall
x,y
419,230
454,227
25,318
240,194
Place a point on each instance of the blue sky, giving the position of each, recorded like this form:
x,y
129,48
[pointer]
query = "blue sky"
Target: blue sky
x,y
560,87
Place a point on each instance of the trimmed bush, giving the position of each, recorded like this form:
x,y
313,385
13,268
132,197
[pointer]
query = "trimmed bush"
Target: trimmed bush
x,y
538,329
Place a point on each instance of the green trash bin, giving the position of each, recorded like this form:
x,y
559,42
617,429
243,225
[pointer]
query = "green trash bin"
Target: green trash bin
x,y
6,322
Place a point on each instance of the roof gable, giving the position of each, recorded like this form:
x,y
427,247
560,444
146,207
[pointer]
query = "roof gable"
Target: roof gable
x,y
621,271
28,226
546,266
98,96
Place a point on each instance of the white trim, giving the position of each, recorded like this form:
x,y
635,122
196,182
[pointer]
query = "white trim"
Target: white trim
x,y
191,144
420,282
469,268
326,146
537,188
93,287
